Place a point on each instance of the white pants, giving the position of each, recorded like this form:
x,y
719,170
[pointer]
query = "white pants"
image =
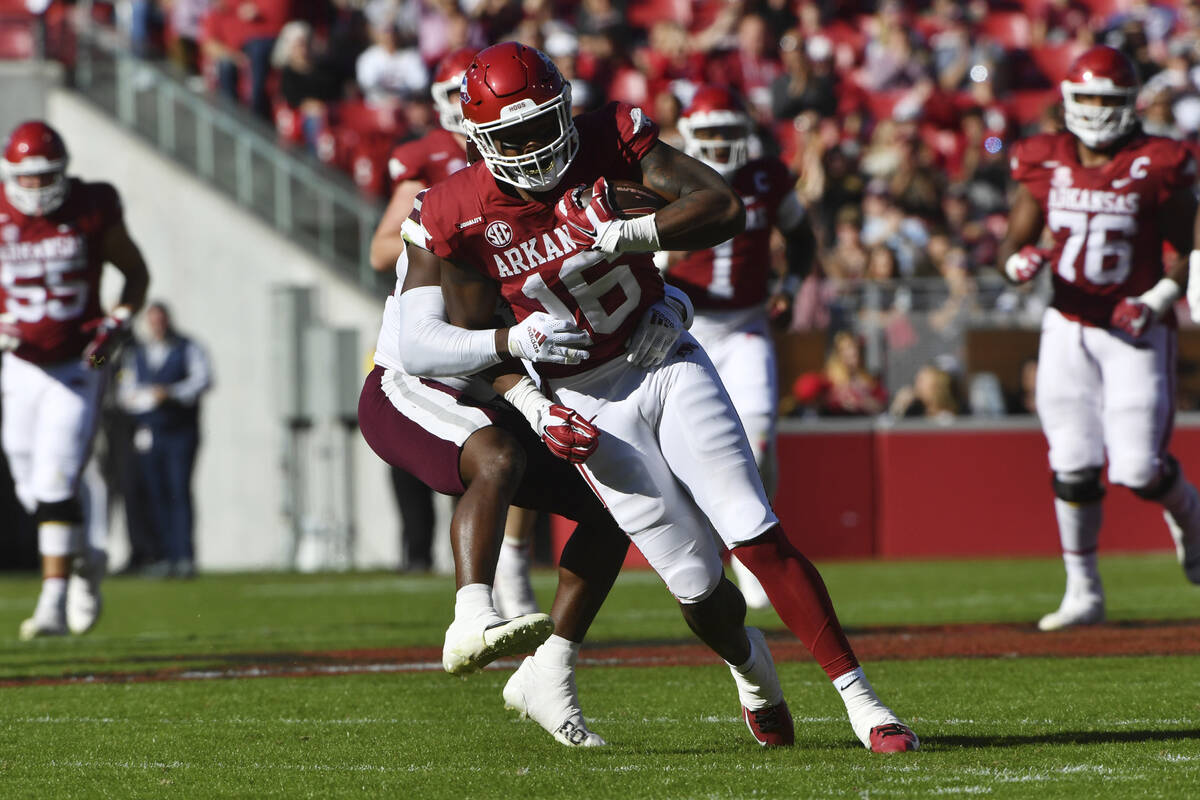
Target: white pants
x,y
740,346
50,417
1100,391
673,463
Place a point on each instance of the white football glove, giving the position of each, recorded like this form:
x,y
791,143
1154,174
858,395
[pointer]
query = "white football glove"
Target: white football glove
x,y
660,328
1024,265
10,334
546,338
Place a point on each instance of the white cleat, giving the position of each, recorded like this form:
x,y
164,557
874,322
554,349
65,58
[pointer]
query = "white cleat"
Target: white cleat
x,y
1076,609
37,627
83,595
549,698
752,590
473,644
1187,545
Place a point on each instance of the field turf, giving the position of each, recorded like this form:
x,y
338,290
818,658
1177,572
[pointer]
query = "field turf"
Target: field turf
x,y
184,690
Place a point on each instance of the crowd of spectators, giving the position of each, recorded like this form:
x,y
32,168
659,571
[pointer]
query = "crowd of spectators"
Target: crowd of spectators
x,y
895,116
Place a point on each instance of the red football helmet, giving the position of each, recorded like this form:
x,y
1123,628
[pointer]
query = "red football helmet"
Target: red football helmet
x,y
447,83
1105,72
34,148
509,85
716,129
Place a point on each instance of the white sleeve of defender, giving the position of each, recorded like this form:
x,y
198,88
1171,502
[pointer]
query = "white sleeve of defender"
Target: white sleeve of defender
x,y
431,347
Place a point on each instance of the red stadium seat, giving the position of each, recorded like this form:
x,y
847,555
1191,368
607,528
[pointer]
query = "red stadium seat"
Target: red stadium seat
x,y
881,105
1010,29
644,13
1053,60
1028,105
629,86
287,123
16,41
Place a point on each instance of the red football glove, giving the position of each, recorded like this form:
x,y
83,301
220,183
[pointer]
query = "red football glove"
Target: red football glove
x,y
1024,264
108,334
568,435
1132,316
594,226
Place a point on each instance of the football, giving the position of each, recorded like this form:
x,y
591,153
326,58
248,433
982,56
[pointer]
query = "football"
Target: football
x,y
630,198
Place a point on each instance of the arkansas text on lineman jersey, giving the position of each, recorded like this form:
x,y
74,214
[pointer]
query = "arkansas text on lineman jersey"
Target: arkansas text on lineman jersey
x,y
469,220
429,159
735,274
50,270
1105,220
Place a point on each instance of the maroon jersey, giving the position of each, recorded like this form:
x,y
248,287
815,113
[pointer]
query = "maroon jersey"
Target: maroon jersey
x,y
734,274
1106,220
50,270
468,219
430,159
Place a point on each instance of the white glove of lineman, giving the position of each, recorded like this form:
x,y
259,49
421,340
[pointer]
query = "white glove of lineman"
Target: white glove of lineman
x,y
1193,288
660,328
546,338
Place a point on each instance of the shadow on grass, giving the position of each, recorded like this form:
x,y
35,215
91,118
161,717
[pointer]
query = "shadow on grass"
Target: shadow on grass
x,y
1062,737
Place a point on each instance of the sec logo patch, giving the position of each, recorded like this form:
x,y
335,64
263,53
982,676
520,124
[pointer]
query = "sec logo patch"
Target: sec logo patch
x,y
499,233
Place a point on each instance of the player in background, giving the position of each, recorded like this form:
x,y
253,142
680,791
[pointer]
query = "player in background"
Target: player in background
x,y
414,166
733,286
1110,196
56,234
672,458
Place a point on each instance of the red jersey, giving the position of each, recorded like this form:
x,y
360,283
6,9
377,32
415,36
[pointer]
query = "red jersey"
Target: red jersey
x,y
1106,220
734,274
430,159
468,219
50,270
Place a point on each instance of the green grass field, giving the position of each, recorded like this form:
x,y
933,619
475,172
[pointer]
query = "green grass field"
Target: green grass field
x,y
1007,727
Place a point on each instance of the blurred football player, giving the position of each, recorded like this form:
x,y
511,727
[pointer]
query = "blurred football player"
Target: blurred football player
x,y
1110,196
414,166
733,286
56,234
672,460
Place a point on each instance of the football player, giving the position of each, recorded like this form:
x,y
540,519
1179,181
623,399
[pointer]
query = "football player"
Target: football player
x,y
733,286
1110,196
56,234
672,461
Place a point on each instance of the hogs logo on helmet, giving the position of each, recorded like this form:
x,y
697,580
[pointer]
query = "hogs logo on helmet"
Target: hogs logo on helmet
x,y
510,86
35,149
1103,72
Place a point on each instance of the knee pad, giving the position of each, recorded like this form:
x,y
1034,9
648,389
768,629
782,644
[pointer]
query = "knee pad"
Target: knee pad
x,y
1079,486
69,511
1166,481
693,581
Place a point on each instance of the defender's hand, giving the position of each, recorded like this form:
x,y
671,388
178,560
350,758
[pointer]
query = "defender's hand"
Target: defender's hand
x,y
1132,316
108,334
656,334
568,435
594,226
542,337
1023,265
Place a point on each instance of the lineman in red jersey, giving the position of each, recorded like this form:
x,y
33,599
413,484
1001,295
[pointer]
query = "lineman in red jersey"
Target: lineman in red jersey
x,y
728,284
1110,195
672,462
56,233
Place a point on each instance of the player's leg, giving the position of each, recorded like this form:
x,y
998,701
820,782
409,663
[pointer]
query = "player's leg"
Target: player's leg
x,y
66,422
451,444
1069,396
706,448
513,592
21,387
1139,414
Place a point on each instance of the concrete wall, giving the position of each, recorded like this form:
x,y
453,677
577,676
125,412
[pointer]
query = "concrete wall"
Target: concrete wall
x,y
215,265
24,86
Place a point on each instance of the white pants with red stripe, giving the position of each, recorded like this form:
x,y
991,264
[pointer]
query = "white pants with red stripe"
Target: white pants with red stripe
x,y
673,463
1100,392
50,417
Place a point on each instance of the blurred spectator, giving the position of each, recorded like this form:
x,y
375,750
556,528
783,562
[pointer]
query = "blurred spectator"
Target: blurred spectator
x,y
160,383
387,72
844,388
1023,401
932,395
798,88
222,35
752,66
186,19
145,25
262,21
305,87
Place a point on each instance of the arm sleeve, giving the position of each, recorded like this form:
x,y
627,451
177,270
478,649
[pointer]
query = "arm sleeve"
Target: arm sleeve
x,y
432,347
198,380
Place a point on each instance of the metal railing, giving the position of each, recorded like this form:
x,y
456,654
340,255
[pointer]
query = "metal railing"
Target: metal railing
x,y
226,146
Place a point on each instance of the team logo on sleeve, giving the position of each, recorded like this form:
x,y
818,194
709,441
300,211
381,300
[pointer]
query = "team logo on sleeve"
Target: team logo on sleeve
x,y
499,233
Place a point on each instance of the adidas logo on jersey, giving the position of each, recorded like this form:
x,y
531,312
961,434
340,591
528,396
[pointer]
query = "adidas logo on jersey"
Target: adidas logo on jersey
x,y
527,255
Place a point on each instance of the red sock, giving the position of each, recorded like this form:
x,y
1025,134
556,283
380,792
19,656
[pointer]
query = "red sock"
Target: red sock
x,y
800,598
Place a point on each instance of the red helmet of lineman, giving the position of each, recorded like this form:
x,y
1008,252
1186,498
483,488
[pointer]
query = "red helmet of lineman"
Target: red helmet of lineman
x,y
1105,72
447,83
508,85
716,129
34,148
